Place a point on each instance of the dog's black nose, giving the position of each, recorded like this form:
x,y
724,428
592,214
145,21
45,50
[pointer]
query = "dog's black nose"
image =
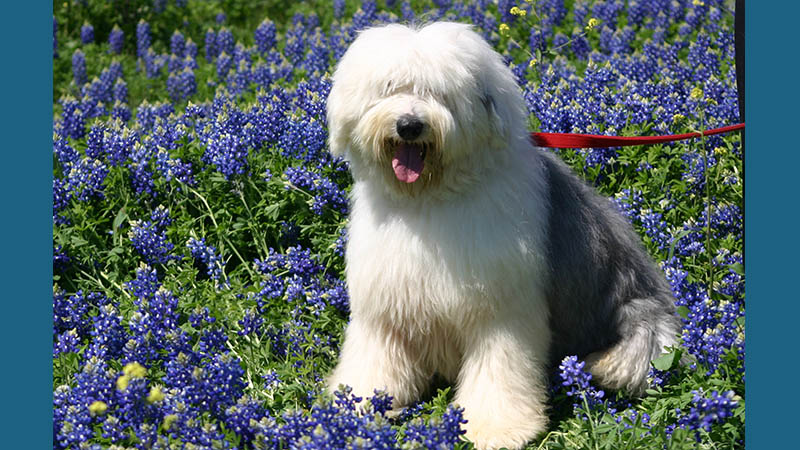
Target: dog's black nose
x,y
409,127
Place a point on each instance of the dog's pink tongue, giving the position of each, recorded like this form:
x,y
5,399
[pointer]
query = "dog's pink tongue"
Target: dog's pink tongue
x,y
407,162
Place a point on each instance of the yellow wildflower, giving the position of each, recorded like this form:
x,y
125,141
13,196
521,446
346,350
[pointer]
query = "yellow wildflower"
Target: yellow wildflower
x,y
97,407
504,29
515,11
155,395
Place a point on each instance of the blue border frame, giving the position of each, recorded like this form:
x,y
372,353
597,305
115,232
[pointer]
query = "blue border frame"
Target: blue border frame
x,y
771,223
27,295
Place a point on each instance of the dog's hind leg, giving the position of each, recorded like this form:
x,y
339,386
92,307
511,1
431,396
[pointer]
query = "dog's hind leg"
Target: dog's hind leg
x,y
644,334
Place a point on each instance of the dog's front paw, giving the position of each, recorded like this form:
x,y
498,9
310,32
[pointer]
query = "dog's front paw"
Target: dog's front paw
x,y
495,433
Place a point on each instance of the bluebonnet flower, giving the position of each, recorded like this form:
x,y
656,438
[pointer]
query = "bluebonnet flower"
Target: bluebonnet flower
x,y
71,312
147,114
149,237
240,416
338,8
177,44
99,90
207,254
706,411
580,46
120,111
116,39
141,177
341,242
63,151
60,259
221,18
66,342
174,64
265,36
73,120
573,376
186,83
316,60
211,45
143,39
86,179
251,323
72,422
120,91
444,433
271,379
87,33
113,429
107,334
79,67
61,197
225,42
324,191
304,138
215,384
191,49
295,47
224,64
94,142
153,63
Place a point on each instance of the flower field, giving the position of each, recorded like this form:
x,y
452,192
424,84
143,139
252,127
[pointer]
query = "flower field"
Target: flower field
x,y
199,222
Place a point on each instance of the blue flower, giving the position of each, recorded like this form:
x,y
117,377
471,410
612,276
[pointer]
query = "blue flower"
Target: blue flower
x,y
87,33
707,411
207,254
225,42
149,237
577,380
143,39
116,39
211,45
177,44
265,36
338,8
79,67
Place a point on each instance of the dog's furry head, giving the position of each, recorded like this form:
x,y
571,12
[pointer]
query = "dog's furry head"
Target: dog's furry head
x,y
418,107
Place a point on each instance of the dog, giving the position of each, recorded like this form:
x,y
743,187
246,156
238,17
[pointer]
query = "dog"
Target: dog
x,y
473,254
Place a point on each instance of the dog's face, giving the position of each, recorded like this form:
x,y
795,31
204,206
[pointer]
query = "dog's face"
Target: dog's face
x,y
413,107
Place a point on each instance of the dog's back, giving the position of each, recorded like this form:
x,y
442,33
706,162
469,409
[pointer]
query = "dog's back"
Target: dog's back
x,y
609,303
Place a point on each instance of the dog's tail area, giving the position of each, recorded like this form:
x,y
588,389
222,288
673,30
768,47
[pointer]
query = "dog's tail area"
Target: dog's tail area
x,y
625,365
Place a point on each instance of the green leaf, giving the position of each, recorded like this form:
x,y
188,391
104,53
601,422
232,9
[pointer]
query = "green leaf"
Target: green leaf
x,y
683,311
667,361
121,216
738,268
78,241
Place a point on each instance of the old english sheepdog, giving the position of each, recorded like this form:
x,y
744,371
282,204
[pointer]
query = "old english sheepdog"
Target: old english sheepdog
x,y
473,254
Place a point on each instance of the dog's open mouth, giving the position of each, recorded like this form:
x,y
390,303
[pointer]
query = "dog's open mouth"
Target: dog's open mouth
x,y
409,160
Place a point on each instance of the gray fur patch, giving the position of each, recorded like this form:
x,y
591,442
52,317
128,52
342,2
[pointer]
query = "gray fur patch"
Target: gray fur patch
x,y
605,293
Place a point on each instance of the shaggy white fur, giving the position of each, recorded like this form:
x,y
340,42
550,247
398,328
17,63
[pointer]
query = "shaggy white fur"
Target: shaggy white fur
x,y
449,263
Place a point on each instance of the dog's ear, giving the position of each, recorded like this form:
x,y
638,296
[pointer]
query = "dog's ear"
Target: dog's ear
x,y
497,123
337,140
337,131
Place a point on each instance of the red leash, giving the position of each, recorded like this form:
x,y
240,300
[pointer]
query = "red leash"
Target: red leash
x,y
569,140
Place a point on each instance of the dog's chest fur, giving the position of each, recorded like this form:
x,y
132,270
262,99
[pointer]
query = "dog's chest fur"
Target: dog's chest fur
x,y
427,266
